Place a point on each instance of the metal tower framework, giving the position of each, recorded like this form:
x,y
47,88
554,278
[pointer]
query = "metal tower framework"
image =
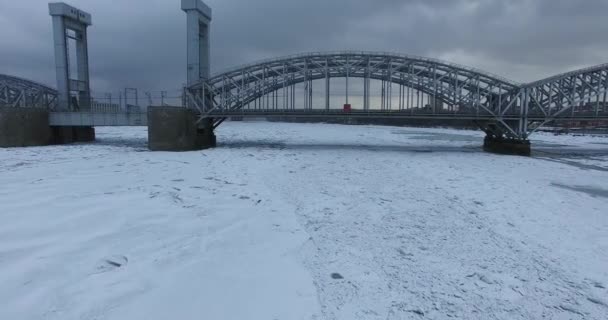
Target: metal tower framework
x,y
71,23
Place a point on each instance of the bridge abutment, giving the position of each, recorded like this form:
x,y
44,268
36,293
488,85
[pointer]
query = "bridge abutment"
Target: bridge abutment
x,y
24,127
176,129
28,127
507,146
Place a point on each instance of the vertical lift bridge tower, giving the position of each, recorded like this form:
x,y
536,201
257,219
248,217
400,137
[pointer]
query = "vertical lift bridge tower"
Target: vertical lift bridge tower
x,y
71,23
198,21
179,129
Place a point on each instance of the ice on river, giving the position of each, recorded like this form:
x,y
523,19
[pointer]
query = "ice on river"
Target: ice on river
x,y
305,221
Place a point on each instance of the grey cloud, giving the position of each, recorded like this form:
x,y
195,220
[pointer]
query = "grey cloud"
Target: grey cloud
x,y
141,43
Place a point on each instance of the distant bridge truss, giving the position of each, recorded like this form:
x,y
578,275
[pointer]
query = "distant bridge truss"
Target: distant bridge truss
x,y
18,92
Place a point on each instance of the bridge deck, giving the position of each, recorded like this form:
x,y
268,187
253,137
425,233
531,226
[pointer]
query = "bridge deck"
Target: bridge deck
x,y
141,118
394,114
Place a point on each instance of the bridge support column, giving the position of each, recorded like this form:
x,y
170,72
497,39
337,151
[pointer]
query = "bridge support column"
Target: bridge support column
x,y
175,129
503,145
206,134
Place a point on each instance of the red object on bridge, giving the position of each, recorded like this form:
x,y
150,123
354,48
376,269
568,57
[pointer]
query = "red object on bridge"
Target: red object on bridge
x,y
347,107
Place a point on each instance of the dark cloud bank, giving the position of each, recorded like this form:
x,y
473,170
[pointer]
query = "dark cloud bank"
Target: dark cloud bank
x,y
141,43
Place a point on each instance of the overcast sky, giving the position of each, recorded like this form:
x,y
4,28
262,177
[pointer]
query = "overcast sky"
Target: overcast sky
x,y
141,43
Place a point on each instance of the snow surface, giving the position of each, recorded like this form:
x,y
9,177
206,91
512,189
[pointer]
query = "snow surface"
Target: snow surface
x,y
305,221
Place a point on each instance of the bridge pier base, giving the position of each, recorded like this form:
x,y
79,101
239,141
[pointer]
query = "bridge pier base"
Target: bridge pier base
x,y
24,127
65,134
175,129
29,127
206,134
507,146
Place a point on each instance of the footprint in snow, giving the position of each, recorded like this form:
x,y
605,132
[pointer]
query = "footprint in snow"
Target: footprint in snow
x,y
482,277
336,276
598,301
112,263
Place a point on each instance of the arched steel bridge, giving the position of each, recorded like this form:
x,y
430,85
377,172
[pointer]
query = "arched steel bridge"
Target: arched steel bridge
x,y
501,107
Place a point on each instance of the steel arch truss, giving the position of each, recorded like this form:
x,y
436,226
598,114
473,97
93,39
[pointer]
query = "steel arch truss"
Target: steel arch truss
x,y
470,91
576,95
17,92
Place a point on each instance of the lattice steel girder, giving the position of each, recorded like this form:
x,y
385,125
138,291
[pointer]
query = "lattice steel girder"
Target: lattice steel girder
x,y
482,93
449,83
339,67
18,92
575,92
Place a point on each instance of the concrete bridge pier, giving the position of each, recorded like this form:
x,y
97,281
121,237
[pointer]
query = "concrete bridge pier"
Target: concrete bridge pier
x,y
28,127
506,145
497,141
65,134
24,127
206,134
176,129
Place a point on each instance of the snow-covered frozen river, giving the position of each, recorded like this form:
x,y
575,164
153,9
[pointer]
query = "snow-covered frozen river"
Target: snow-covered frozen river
x,y
305,221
